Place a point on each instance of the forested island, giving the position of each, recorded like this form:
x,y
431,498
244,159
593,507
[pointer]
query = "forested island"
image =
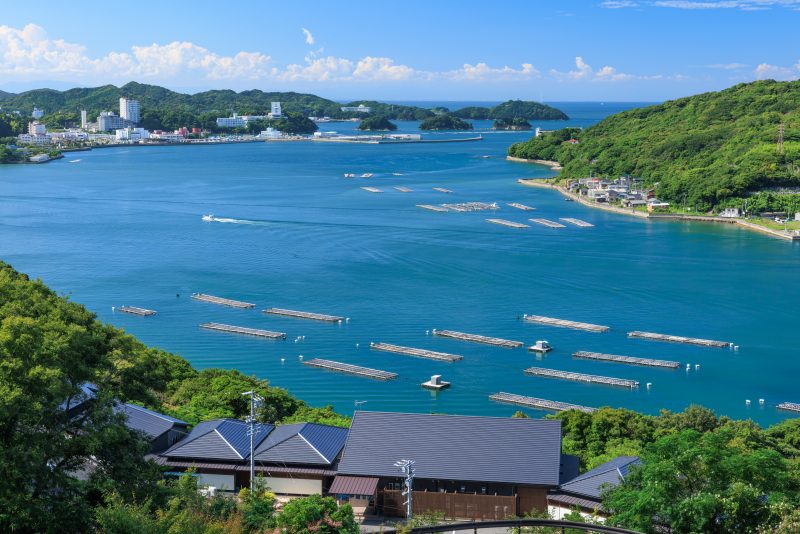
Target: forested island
x,y
377,123
445,121
517,123
512,109
708,151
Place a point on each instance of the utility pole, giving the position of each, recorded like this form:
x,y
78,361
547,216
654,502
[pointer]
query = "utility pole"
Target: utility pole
x,y
251,431
407,467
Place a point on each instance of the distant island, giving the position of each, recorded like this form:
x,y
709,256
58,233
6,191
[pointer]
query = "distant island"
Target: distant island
x,y
512,109
738,148
517,123
377,123
445,122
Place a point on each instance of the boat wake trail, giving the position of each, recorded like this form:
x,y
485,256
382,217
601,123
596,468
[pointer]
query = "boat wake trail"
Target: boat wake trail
x,y
227,220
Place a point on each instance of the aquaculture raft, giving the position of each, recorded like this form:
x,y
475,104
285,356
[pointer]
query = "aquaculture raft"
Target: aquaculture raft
x,y
304,315
564,323
789,406
135,310
421,353
351,369
504,222
626,359
243,330
679,339
224,302
543,404
520,206
442,190
577,222
372,189
402,189
479,339
431,207
548,223
580,377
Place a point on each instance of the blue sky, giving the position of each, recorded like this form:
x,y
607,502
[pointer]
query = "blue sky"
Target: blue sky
x,y
555,50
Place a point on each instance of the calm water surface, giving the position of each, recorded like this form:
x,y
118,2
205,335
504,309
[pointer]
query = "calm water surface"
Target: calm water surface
x,y
123,226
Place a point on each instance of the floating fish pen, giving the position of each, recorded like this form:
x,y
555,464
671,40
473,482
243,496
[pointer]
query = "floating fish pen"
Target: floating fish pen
x,y
351,369
519,206
789,406
135,310
548,223
442,190
511,224
577,222
564,323
224,302
305,315
402,189
431,207
580,377
479,339
243,330
679,339
542,404
420,353
471,206
649,362
372,189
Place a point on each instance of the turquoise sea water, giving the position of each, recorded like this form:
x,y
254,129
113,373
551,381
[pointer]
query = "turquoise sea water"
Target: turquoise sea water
x,y
123,226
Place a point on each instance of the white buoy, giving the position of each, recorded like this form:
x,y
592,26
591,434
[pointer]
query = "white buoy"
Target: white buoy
x,y
696,366
427,332
283,360
356,345
736,347
304,338
347,319
747,402
761,402
112,308
649,384
301,356
688,366
339,321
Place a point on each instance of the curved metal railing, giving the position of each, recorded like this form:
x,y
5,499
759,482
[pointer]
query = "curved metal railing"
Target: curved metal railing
x,y
476,526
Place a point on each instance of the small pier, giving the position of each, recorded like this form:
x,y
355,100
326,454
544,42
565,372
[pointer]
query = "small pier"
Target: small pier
x,y
510,224
475,338
652,336
135,310
548,223
580,377
442,190
351,369
419,353
305,315
519,206
649,362
222,301
431,207
789,406
372,189
541,404
564,323
576,222
402,189
243,330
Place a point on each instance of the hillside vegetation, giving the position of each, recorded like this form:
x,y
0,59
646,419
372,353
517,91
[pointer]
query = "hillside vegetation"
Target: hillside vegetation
x,y
512,109
445,122
705,150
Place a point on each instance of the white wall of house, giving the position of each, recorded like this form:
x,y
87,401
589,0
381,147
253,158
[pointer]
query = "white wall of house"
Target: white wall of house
x,y
221,482
293,486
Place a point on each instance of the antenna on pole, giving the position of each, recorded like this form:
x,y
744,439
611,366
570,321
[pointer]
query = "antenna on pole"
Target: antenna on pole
x,y
407,467
780,138
255,399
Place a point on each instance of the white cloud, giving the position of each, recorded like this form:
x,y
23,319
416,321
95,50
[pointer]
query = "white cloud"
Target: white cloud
x,y
618,4
744,5
726,66
766,71
308,35
584,72
484,72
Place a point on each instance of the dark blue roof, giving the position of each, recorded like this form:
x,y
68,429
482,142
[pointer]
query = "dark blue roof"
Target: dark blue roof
x,y
302,443
219,439
592,483
153,424
88,391
454,447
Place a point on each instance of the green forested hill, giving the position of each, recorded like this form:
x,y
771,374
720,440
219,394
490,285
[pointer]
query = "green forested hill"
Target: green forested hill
x,y
512,109
703,150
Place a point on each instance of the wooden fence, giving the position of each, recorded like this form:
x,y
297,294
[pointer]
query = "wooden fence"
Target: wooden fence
x,y
454,505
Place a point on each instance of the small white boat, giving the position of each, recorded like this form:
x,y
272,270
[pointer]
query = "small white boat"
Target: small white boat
x,y
367,175
74,161
349,175
541,347
208,218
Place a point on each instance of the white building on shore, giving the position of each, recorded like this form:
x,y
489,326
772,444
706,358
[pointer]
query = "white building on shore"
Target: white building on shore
x,y
361,108
276,112
129,109
132,134
37,113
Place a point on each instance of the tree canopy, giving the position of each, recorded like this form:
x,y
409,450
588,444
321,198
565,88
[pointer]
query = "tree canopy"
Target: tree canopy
x,y
512,109
377,122
445,122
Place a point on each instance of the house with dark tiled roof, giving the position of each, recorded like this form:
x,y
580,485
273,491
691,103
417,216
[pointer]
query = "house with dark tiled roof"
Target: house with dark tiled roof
x,y
584,491
161,430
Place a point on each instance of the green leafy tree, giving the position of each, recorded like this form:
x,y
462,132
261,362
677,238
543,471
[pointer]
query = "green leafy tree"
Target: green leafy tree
x,y
317,514
445,122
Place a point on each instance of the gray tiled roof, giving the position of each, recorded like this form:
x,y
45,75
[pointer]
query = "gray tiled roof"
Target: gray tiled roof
x,y
153,424
452,447
302,443
218,439
592,483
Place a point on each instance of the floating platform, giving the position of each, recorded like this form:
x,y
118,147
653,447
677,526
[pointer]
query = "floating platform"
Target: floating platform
x,y
478,339
442,190
403,189
577,222
679,339
548,223
372,189
135,310
519,206
351,369
471,206
435,383
305,315
511,224
542,404
431,207
420,353
789,406
580,377
222,301
649,362
243,330
564,323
